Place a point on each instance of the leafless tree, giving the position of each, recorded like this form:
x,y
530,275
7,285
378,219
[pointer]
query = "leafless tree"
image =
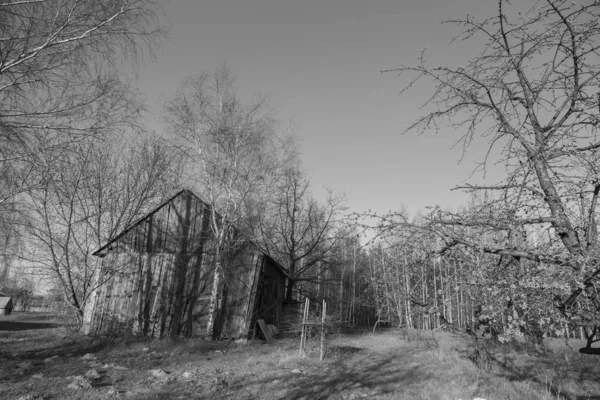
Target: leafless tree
x,y
58,77
86,197
533,94
301,232
234,156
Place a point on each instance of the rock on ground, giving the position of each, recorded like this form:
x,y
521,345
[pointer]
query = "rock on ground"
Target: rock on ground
x,y
92,374
25,366
159,374
80,382
51,360
89,357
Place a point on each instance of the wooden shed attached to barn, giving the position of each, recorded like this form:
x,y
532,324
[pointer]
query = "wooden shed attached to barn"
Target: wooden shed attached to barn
x,y
6,305
157,276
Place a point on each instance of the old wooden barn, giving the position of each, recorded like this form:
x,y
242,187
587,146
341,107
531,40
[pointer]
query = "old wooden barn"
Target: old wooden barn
x,y
156,278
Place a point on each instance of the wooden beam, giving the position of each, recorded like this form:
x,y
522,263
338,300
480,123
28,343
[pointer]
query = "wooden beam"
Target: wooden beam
x,y
265,329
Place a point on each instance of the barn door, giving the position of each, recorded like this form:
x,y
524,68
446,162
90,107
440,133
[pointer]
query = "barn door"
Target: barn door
x,y
267,299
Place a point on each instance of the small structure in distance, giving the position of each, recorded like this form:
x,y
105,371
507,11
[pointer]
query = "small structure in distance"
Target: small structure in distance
x,y
6,305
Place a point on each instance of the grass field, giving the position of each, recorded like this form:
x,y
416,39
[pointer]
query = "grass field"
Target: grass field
x,y
41,359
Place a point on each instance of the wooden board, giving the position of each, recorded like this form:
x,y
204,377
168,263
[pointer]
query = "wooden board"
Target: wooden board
x,y
265,329
273,329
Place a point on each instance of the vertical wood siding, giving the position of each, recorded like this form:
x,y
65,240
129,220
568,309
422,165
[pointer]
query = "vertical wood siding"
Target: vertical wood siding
x,y
159,277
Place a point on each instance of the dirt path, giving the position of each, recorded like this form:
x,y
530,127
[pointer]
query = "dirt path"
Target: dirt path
x,y
357,366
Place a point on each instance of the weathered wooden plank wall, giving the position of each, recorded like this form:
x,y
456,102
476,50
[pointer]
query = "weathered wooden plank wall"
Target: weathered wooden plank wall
x,y
239,278
159,277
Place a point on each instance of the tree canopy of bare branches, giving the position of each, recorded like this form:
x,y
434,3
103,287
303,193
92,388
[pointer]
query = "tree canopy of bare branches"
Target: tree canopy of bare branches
x,y
61,103
233,155
58,80
87,197
532,93
299,231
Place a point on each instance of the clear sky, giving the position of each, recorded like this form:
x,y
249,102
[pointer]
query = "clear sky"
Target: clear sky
x,y
319,62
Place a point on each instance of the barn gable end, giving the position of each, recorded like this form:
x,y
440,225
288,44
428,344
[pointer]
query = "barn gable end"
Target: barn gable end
x,y
6,305
156,277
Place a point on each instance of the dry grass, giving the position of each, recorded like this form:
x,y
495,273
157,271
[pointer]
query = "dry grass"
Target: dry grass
x,y
388,365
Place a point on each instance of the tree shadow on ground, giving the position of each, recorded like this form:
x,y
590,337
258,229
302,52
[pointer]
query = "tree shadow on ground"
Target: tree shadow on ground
x,y
68,347
344,350
26,316
369,376
25,326
336,380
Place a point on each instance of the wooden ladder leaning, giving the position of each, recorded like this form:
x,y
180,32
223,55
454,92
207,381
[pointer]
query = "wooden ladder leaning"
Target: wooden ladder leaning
x,y
306,323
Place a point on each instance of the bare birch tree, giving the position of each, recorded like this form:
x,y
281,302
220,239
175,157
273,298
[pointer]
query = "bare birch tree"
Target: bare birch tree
x,y
234,157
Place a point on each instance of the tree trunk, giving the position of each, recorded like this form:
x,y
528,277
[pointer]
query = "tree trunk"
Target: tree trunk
x,y
435,299
425,318
291,280
443,289
353,284
341,293
289,289
449,309
407,289
214,295
180,274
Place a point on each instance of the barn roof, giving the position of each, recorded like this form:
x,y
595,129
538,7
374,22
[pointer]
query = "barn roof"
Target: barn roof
x,y
5,302
142,219
99,251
